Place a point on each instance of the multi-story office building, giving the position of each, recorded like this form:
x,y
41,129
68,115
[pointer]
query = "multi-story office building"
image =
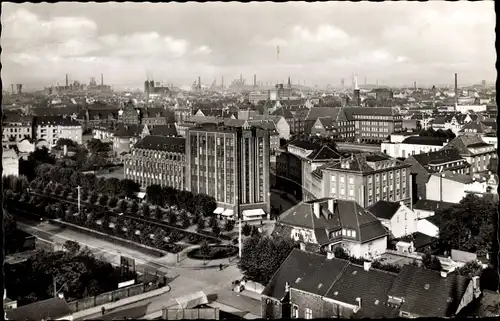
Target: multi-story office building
x,y
374,124
52,128
232,165
157,160
367,179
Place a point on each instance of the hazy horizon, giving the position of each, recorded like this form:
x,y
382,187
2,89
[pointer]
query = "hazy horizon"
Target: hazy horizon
x,y
394,43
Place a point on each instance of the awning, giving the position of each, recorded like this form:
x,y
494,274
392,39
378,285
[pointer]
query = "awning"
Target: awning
x,y
219,210
191,301
228,213
256,212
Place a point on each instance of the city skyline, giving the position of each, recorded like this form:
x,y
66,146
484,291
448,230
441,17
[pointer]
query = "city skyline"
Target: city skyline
x,y
319,43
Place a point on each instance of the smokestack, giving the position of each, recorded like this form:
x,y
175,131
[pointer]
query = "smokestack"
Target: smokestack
x,y
102,79
456,89
356,87
254,81
365,80
222,82
199,82
289,82
415,85
12,87
241,78
66,80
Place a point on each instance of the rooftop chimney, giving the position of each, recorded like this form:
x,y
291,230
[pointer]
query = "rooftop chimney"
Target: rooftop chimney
x,y
331,205
302,246
330,255
367,265
287,287
316,209
444,274
359,304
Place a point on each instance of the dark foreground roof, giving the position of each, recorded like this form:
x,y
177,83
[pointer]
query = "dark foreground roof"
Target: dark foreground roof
x,y
162,143
50,309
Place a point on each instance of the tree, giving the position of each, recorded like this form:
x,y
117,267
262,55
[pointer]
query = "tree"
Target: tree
x,y
246,230
171,218
65,141
134,208
216,229
145,210
113,201
468,226
154,194
103,200
129,187
72,247
229,225
185,221
470,269
213,221
200,223
158,213
93,198
262,256
205,248
431,262
112,186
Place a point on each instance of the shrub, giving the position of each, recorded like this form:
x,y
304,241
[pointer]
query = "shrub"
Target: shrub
x,y
246,230
93,198
103,200
145,210
158,213
216,230
134,208
200,223
185,221
171,218
113,201
229,225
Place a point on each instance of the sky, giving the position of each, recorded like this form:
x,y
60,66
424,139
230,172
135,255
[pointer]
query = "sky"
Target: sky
x,y
394,43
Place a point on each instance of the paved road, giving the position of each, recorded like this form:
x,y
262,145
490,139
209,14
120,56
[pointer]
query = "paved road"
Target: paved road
x,y
184,281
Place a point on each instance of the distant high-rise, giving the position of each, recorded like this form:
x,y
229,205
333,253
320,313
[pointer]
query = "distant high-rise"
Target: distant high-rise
x,y
19,88
12,88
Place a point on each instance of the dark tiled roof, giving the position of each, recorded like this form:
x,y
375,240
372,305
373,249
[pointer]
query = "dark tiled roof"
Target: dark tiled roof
x,y
463,142
359,162
370,111
283,112
164,130
317,112
297,264
438,157
324,153
327,122
424,140
56,120
384,209
429,205
162,143
51,309
426,293
347,214
369,286
123,130
152,112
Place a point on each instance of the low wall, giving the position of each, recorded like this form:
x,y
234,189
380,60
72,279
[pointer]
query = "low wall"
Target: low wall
x,y
110,238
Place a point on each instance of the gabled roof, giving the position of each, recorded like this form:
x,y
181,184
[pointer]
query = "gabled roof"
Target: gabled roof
x,y
426,293
297,264
56,120
162,143
384,209
317,112
424,140
283,112
324,153
464,142
164,130
326,122
346,214
50,309
335,279
444,155
478,127
123,130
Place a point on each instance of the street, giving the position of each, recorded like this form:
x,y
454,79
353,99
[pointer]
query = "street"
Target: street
x,y
184,281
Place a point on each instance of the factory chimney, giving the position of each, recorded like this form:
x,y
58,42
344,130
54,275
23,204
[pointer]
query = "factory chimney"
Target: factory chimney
x,y
456,89
433,96
357,96
415,85
199,82
254,81
66,80
102,79
222,82
12,87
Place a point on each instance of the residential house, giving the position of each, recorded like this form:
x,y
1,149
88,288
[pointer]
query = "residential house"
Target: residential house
x,y
398,218
91,118
422,292
485,129
312,156
366,179
164,130
52,128
129,115
153,117
10,163
328,223
423,165
452,188
336,120
374,124
413,145
16,127
474,150
281,125
327,287
126,136
157,160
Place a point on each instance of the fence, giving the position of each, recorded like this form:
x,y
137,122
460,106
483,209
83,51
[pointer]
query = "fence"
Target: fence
x,y
191,314
112,296
41,244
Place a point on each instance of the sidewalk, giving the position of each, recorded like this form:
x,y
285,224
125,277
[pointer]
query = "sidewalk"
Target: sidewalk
x,y
80,315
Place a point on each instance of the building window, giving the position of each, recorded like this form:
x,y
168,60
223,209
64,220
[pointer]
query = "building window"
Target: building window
x,y
341,179
351,180
308,313
295,312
